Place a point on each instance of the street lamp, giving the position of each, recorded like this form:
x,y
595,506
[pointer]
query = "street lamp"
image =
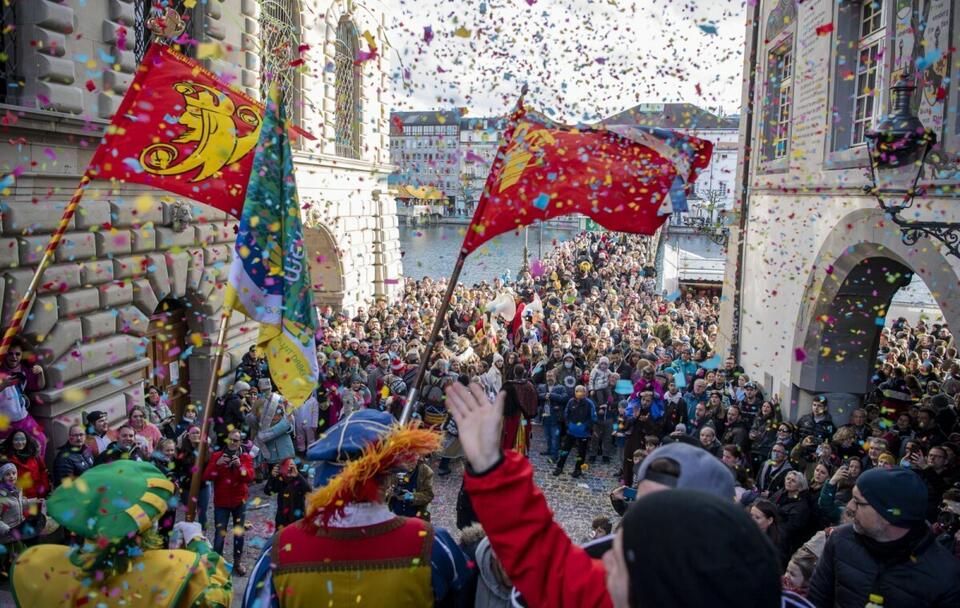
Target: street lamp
x,y
898,140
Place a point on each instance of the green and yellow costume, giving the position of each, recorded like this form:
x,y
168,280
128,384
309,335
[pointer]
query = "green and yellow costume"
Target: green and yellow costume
x,y
114,507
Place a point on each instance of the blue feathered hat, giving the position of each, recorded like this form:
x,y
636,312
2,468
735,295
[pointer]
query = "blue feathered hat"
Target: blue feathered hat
x,y
346,441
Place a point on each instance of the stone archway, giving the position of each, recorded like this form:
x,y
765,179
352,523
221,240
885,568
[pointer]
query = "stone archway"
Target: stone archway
x,y
326,266
847,297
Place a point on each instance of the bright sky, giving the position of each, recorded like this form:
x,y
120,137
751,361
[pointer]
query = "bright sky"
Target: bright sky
x,y
582,59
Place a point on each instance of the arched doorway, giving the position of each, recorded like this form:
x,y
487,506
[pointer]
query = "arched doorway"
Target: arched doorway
x,y
167,342
846,303
326,268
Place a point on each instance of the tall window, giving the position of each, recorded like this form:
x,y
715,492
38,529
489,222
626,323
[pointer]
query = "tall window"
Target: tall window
x,y
347,83
869,59
781,83
780,33
9,85
279,47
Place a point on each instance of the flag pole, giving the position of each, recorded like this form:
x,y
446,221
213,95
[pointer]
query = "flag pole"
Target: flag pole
x,y
196,481
16,322
445,303
434,333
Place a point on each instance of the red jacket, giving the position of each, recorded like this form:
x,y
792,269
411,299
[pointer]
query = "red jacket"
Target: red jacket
x,y
538,556
230,484
32,476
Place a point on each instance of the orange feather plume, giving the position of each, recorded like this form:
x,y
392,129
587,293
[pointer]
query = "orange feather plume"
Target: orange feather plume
x,y
359,480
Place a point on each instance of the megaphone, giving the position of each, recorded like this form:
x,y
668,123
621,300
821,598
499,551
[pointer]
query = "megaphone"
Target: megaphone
x,y
503,306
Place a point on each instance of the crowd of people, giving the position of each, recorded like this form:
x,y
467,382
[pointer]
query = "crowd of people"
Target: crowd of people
x,y
581,355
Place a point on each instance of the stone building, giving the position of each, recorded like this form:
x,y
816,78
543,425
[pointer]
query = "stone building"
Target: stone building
x,y
135,293
815,263
425,148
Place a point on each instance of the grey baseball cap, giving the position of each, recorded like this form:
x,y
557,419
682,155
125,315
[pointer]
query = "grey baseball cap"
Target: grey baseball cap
x,y
699,470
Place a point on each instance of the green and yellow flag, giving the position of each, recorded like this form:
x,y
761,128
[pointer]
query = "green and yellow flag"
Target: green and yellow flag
x,y
270,275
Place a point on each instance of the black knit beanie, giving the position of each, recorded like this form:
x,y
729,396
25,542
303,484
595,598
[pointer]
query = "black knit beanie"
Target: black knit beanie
x,y
685,548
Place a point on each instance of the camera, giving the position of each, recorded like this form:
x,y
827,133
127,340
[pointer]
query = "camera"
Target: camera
x,y
948,521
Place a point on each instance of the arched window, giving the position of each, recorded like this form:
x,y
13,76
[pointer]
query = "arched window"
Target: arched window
x,y
9,82
347,90
280,42
778,102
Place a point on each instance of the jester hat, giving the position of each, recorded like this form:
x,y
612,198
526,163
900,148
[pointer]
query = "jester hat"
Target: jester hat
x,y
353,455
112,501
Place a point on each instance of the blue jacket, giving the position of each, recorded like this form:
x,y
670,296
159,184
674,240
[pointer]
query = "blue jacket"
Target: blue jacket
x,y
277,442
580,415
692,400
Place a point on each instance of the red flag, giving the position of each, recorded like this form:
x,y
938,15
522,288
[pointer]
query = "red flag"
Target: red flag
x,y
181,129
544,170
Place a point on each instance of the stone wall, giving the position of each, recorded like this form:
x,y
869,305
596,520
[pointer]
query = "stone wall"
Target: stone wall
x,y
123,254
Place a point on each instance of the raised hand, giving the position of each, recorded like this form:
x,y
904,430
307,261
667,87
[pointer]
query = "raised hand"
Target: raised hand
x,y
478,421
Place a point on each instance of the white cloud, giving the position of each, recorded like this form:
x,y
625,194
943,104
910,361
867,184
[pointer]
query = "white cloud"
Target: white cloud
x,y
582,59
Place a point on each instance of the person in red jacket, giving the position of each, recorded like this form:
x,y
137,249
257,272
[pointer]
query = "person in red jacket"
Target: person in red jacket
x,y
231,470
655,554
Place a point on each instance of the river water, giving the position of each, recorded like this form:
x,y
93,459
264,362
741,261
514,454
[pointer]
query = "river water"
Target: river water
x,y
432,250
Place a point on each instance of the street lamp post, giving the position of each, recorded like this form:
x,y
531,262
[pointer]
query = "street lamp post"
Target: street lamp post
x,y
899,139
526,251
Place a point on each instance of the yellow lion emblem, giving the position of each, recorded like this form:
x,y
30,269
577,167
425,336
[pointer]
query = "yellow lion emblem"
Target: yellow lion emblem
x,y
525,145
208,116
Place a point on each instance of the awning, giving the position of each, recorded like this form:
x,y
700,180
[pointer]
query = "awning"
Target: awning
x,y
426,193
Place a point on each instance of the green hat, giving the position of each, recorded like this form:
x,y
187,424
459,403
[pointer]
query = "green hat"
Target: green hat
x,y
112,500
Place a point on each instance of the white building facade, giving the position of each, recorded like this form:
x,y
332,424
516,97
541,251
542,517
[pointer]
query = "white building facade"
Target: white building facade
x,y
815,262
136,290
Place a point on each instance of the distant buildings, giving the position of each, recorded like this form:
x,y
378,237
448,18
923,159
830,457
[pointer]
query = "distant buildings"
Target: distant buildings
x,y
715,187
448,153
425,148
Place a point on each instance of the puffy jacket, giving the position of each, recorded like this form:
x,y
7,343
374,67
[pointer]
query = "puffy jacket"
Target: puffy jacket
x,y
231,485
13,511
580,414
924,574
71,462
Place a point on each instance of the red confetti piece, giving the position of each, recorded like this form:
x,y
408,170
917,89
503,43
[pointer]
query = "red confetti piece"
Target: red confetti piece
x,y
823,30
91,86
296,63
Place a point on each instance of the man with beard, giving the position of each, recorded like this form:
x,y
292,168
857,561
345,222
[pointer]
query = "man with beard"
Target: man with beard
x,y
124,448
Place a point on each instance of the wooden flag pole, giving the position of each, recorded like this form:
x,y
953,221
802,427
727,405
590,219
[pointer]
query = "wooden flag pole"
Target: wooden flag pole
x,y
414,392
16,323
196,482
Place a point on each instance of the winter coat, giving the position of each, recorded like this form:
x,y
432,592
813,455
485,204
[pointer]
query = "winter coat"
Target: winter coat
x,y
13,510
563,574
32,476
413,492
231,485
794,523
770,479
114,452
291,497
822,430
491,592
923,574
276,442
71,462
305,421
580,414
